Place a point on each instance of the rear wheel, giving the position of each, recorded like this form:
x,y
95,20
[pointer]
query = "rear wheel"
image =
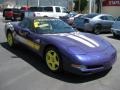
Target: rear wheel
x,y
97,29
116,36
53,59
10,39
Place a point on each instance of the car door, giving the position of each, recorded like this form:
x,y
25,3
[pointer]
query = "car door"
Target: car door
x,y
107,21
27,35
79,23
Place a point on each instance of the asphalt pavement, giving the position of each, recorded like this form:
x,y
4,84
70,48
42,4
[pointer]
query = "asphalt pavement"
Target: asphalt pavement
x,y
21,69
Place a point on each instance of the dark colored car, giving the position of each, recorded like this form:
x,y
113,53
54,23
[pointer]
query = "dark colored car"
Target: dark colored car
x,y
60,46
13,14
95,23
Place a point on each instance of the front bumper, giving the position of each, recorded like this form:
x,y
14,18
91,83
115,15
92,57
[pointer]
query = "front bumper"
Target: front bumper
x,y
94,63
116,31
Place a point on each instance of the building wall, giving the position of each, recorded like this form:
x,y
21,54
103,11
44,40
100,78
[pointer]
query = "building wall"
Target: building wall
x,y
111,7
44,2
113,10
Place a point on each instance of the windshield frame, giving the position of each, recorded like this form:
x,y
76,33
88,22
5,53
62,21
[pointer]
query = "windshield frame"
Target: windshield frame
x,y
61,27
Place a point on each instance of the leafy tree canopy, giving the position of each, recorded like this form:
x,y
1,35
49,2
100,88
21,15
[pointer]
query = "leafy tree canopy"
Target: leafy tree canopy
x,y
80,6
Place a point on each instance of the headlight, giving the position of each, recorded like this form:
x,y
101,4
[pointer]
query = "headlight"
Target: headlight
x,y
78,66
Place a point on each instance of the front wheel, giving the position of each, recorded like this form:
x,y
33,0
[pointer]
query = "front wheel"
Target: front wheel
x,y
10,39
53,59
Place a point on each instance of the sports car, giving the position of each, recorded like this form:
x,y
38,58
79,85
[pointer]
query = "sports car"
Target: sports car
x,y
60,46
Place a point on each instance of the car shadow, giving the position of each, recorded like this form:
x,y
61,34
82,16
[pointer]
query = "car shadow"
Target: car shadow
x,y
112,37
35,61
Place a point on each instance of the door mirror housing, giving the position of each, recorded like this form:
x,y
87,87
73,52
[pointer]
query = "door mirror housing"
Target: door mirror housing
x,y
26,31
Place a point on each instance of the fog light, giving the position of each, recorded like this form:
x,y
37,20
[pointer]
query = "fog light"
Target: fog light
x,y
78,66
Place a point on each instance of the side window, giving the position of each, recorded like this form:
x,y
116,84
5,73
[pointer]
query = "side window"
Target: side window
x,y
57,9
110,18
103,17
48,9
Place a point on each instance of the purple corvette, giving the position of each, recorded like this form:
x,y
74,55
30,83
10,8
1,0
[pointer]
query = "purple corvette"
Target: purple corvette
x,y
62,47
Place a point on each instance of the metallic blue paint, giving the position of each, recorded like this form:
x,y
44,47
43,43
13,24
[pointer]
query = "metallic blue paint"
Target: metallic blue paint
x,y
73,52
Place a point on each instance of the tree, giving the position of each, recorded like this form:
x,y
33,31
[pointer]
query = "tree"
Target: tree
x,y
80,5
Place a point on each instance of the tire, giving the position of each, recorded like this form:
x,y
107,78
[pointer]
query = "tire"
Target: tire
x,y
115,36
53,60
97,29
10,39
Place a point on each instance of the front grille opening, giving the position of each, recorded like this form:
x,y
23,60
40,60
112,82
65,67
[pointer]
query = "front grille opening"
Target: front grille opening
x,y
94,66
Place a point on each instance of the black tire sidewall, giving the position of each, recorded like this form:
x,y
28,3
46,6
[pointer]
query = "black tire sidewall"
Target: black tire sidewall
x,y
97,29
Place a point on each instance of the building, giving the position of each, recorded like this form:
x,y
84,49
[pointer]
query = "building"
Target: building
x,y
111,7
19,3
105,6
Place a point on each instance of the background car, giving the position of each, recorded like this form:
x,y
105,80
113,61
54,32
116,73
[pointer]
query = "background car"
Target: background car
x,y
70,20
116,27
67,17
94,22
13,14
60,46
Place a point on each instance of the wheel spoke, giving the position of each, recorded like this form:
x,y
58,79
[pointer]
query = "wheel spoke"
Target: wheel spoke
x,y
52,60
10,39
54,66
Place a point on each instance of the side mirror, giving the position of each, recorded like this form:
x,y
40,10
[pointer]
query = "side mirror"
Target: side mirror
x,y
26,31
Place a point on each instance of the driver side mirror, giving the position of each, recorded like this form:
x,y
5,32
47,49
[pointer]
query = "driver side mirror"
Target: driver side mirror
x,y
25,31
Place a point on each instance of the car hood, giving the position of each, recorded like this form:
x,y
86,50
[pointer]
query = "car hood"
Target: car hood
x,y
79,43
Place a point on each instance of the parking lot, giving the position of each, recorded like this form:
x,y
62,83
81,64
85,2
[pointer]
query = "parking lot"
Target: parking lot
x,y
21,69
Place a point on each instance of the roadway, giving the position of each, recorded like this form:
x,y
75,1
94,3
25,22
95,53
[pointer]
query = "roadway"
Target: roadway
x,y
21,69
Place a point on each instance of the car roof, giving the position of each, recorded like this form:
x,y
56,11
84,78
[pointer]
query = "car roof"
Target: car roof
x,y
33,18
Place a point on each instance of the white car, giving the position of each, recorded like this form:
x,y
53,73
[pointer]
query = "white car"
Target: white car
x,y
47,11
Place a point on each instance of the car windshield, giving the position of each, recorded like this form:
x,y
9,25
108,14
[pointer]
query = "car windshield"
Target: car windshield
x,y
46,26
90,15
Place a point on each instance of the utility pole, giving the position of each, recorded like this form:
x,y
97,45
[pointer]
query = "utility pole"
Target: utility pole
x,y
38,3
90,6
79,5
54,2
27,3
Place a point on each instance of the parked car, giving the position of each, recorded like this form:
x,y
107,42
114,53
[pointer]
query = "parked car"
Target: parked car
x,y
47,11
96,23
24,8
67,17
13,14
116,27
60,46
71,19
